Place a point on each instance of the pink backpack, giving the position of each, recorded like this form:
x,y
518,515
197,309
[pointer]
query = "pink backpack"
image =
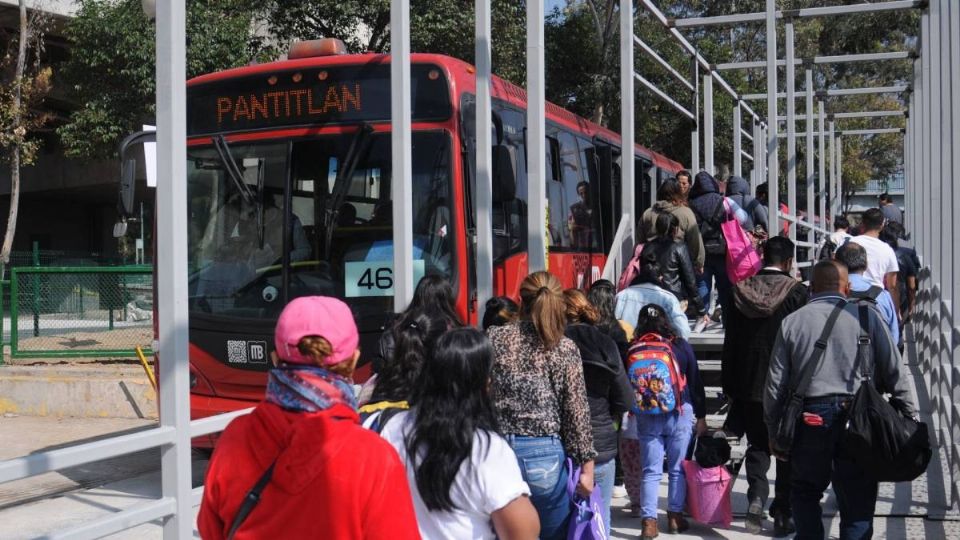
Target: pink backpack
x,y
743,260
632,269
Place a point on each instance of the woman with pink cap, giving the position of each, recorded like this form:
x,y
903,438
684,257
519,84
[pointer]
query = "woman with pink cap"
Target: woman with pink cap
x,y
300,465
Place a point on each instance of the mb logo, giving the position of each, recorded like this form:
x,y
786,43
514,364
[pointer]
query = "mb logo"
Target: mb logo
x,y
257,352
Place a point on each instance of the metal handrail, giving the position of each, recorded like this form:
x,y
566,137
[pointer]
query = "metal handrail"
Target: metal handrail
x,y
614,264
215,424
81,454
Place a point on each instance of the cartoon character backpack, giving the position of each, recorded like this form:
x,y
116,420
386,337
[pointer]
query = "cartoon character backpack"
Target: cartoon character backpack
x,y
657,382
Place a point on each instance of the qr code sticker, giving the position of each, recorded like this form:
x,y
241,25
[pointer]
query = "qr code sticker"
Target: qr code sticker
x,y
236,351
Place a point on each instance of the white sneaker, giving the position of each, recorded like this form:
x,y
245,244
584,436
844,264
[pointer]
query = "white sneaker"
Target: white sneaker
x,y
619,492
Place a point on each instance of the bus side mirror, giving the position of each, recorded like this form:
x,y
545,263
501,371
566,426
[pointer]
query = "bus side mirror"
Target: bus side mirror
x,y
128,173
504,174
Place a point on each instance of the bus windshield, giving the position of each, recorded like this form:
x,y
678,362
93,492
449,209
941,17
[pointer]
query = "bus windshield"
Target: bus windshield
x,y
339,235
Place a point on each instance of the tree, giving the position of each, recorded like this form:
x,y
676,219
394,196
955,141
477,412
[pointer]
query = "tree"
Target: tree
x,y
111,70
23,84
436,26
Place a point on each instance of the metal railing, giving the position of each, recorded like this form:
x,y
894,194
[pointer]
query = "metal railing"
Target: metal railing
x,y
621,250
80,311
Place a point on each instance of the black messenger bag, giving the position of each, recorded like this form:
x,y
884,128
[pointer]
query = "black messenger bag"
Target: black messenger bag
x,y
887,445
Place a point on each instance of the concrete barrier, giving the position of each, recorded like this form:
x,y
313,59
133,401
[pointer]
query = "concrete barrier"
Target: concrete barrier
x,y
83,391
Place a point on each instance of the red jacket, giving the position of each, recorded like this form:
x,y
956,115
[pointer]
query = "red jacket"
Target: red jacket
x,y
333,479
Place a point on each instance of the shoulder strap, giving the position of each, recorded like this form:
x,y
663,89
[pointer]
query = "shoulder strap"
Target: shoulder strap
x,y
818,349
251,500
863,343
873,292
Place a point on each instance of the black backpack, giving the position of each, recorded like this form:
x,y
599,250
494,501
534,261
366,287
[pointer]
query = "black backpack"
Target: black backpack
x,y
886,444
713,241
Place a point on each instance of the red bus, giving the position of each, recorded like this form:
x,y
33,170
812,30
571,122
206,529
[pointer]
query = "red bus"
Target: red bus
x,y
289,195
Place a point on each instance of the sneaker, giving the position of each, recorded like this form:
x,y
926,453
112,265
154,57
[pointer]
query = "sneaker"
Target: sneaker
x,y
619,492
754,519
783,526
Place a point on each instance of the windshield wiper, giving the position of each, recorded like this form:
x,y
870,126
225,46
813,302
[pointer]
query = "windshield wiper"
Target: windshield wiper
x,y
341,184
233,171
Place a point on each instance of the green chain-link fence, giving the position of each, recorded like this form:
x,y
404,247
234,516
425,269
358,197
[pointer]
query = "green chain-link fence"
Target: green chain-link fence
x,y
80,311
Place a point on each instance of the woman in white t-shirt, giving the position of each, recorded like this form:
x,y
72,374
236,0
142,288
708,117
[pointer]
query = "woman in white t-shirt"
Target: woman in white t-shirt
x,y
465,480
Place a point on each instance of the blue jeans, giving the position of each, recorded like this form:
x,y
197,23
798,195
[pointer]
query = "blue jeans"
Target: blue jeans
x,y
543,466
603,476
658,434
714,267
816,459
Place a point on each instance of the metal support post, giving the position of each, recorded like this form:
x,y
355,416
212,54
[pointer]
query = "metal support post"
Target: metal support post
x,y
709,164
839,174
953,16
627,115
822,172
737,140
402,191
773,154
833,169
791,82
758,157
484,159
172,286
948,225
811,214
536,140
695,151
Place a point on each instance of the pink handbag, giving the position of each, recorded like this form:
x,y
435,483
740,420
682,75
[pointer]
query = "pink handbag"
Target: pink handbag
x,y
743,260
708,494
632,269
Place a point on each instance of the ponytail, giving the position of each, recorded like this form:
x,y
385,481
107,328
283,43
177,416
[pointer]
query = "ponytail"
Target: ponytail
x,y
414,336
543,304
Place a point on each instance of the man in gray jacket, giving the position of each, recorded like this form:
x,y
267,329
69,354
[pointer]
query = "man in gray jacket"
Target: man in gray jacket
x,y
816,456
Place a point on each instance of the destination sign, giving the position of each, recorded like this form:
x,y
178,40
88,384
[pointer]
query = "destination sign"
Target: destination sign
x,y
315,96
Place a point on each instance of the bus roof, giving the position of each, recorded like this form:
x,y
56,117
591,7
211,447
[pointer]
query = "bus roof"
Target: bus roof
x,y
462,78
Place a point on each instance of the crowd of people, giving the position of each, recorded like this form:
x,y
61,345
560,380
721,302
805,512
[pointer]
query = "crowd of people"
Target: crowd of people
x,y
467,433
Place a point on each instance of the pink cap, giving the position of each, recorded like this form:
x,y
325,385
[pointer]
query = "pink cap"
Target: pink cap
x,y
321,316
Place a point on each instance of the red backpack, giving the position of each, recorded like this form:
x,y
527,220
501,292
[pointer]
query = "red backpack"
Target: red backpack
x,y
657,382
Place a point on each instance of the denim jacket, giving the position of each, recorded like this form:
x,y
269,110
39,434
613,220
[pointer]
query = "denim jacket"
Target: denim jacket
x,y
631,299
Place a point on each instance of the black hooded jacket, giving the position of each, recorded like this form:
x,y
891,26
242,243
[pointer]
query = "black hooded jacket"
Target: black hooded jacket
x,y
760,304
707,205
608,389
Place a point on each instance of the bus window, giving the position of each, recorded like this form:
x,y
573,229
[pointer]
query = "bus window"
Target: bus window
x,y
556,222
578,205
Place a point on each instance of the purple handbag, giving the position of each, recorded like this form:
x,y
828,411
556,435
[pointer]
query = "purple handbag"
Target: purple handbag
x,y
586,517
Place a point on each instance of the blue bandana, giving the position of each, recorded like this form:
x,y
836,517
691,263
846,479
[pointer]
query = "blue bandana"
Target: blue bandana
x,y
302,388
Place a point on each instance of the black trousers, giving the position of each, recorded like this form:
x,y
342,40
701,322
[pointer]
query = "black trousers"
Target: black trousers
x,y
749,416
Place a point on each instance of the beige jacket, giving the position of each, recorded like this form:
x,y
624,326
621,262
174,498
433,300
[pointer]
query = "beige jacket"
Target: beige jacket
x,y
688,224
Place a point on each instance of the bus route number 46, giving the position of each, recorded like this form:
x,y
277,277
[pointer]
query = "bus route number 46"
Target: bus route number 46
x,y
374,278
381,278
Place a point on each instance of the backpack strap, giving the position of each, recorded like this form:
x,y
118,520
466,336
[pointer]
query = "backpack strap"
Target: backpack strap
x,y
869,295
863,343
251,500
816,362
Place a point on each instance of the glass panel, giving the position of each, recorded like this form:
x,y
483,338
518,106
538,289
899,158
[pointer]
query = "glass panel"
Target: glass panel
x,y
341,237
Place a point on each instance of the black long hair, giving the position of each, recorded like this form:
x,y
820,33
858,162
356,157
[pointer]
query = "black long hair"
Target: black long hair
x,y
415,335
434,295
452,405
653,319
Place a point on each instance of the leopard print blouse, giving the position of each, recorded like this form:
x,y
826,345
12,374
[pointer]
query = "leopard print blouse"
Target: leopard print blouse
x,y
539,392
